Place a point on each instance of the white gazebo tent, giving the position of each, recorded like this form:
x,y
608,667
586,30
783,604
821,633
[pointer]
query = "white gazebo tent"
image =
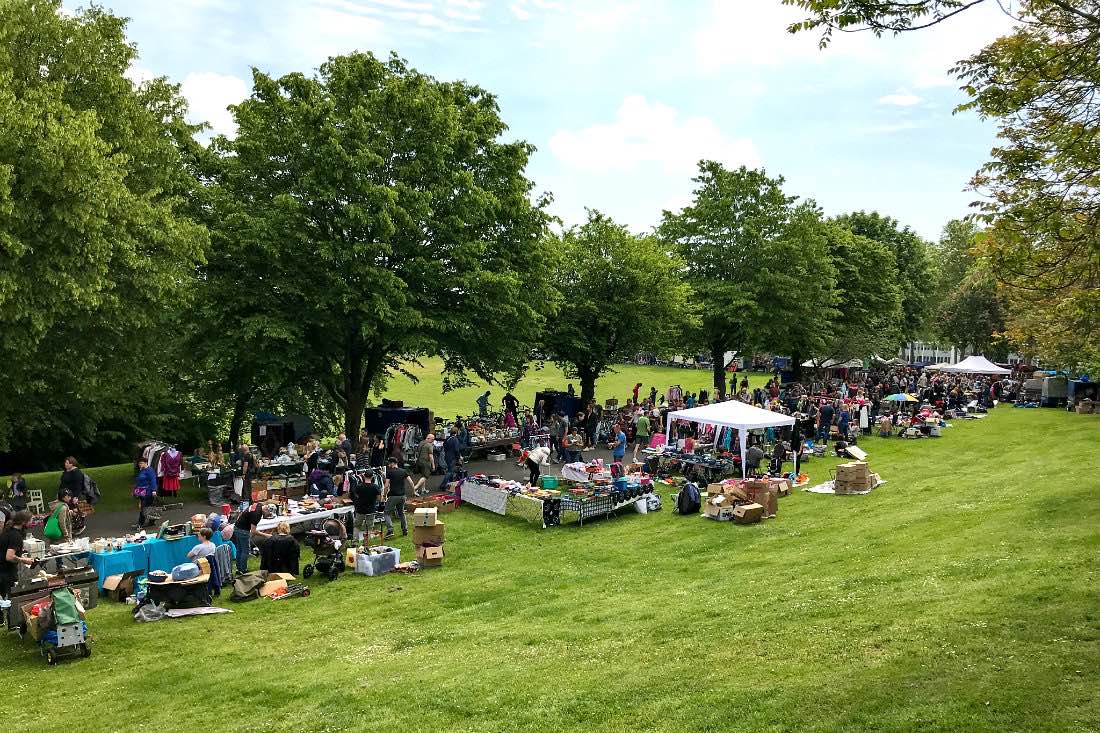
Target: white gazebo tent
x,y
732,414
975,365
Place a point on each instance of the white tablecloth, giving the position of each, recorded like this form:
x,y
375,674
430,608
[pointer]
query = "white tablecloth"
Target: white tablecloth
x,y
485,497
266,524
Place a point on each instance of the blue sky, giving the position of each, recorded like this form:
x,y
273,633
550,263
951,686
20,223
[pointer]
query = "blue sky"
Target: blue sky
x,y
623,98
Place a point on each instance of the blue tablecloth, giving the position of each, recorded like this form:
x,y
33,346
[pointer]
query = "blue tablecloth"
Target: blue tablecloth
x,y
153,554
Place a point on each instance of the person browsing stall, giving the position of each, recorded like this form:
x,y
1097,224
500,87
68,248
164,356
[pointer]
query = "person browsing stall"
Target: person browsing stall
x,y
536,458
618,447
18,492
398,484
11,552
244,531
642,432
452,454
364,497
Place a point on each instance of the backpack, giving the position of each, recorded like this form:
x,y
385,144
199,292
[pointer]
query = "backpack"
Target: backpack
x,y
688,500
52,530
91,490
653,503
247,587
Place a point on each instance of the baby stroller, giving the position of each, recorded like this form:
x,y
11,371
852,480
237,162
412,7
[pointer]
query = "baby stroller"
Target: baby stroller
x,y
327,558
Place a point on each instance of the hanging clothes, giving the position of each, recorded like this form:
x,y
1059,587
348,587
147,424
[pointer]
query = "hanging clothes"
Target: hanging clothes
x,y
171,462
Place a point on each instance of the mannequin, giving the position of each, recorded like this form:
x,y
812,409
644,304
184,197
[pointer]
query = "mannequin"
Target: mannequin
x,y
170,462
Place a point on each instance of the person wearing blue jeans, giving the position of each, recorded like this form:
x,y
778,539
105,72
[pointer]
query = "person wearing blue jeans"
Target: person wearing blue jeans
x,y
452,454
242,534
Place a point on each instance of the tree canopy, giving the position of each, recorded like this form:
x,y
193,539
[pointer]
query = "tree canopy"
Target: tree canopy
x,y
622,294
757,263
96,249
386,220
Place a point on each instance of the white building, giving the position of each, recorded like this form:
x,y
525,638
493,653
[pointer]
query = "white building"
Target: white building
x,y
923,352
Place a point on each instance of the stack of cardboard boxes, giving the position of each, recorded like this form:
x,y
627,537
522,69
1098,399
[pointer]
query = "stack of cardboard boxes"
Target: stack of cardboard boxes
x,y
854,477
428,535
1085,407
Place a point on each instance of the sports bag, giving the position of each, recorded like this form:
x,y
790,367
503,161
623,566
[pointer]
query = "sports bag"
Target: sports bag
x,y
688,500
52,530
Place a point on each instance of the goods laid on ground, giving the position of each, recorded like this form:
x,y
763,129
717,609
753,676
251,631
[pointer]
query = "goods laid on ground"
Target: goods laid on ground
x,y
745,501
853,478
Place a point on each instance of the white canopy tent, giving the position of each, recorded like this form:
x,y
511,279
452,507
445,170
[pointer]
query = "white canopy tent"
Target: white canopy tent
x,y
975,365
731,414
834,364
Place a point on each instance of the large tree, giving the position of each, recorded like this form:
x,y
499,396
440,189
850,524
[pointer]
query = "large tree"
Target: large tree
x,y
623,294
96,250
969,312
757,263
915,266
1041,188
869,312
387,220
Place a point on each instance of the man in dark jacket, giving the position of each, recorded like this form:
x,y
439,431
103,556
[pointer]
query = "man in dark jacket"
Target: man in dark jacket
x,y
281,553
452,453
364,497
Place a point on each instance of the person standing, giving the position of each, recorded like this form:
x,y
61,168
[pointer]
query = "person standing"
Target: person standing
x,y
364,497
452,454
536,458
425,456
242,534
397,486
574,443
618,446
557,437
824,422
637,388
342,443
483,404
642,432
511,405
11,554
18,491
145,489
72,481
249,470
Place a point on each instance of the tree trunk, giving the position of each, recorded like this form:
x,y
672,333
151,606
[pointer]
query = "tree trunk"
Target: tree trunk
x,y
796,366
718,365
240,405
587,378
353,413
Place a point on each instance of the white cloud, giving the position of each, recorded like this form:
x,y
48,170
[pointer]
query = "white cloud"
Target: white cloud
x,y
548,5
401,4
209,94
650,132
138,75
900,98
461,15
467,4
755,34
520,10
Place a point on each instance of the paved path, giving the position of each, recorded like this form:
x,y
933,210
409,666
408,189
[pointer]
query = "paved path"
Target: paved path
x,y
111,524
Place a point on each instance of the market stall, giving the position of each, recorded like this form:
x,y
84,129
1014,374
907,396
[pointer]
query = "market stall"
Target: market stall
x,y
976,365
147,555
732,414
573,501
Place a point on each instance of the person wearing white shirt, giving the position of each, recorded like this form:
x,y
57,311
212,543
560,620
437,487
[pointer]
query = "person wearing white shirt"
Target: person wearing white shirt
x,y
537,457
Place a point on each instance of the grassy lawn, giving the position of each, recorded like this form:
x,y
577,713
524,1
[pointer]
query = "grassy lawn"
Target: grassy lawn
x,y
960,596
428,390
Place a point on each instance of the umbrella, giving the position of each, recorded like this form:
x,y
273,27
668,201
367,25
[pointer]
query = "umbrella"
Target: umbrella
x,y
901,397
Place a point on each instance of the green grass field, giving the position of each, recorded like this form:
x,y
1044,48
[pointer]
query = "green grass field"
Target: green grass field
x,y
961,596
427,391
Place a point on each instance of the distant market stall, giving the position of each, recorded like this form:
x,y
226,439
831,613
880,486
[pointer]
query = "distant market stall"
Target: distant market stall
x,y
734,415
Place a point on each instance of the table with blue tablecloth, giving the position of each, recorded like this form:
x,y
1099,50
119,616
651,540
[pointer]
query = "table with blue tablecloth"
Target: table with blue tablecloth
x,y
152,554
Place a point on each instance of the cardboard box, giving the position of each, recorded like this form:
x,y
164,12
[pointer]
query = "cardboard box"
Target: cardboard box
x,y
121,587
446,505
748,513
432,535
275,581
430,556
719,507
856,452
781,486
425,517
767,497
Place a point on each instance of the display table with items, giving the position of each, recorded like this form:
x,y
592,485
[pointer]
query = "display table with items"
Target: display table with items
x,y
306,511
69,570
146,555
551,506
488,435
700,468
